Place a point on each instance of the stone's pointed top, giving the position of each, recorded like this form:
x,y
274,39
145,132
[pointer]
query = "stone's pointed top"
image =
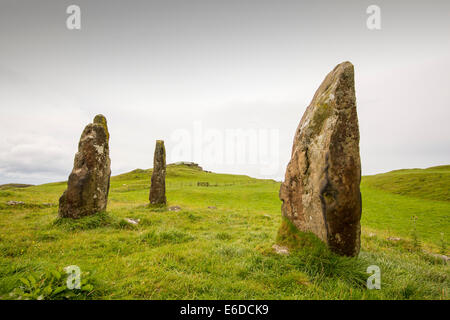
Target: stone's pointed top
x,y
159,141
345,69
345,64
342,67
101,119
338,86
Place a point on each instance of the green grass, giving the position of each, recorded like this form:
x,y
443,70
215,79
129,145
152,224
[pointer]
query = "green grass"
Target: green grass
x,y
392,199
223,253
428,184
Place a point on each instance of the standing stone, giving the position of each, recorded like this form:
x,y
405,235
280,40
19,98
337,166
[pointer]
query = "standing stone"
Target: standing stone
x,y
320,192
158,187
88,185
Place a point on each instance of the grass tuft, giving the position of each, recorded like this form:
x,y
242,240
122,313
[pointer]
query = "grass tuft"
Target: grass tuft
x,y
154,238
289,236
98,220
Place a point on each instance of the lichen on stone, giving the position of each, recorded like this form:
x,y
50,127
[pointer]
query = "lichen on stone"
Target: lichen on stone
x,y
100,119
322,113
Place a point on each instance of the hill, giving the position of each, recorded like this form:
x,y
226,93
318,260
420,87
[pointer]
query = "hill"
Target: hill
x,y
400,200
430,184
14,185
216,245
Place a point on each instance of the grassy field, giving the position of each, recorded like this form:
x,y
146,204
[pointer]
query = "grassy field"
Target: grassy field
x,y
391,201
219,245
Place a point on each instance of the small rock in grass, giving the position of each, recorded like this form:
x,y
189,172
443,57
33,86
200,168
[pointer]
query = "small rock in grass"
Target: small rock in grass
x,y
442,257
14,203
394,239
212,207
132,221
47,204
281,249
174,208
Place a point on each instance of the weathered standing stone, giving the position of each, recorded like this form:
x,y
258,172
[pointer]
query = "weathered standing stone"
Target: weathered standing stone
x,y
88,185
320,192
158,186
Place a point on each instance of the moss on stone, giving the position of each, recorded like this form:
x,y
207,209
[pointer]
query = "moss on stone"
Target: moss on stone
x,y
160,143
289,236
100,119
322,113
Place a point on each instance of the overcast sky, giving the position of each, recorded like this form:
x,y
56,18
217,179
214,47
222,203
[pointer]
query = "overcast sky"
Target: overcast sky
x,y
198,69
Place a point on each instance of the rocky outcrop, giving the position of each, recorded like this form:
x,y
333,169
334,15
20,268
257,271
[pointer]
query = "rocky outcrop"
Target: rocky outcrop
x,y
186,163
88,184
321,192
158,186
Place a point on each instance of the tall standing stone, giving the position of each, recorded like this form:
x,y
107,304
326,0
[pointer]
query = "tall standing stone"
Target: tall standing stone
x,y
88,184
321,192
158,186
